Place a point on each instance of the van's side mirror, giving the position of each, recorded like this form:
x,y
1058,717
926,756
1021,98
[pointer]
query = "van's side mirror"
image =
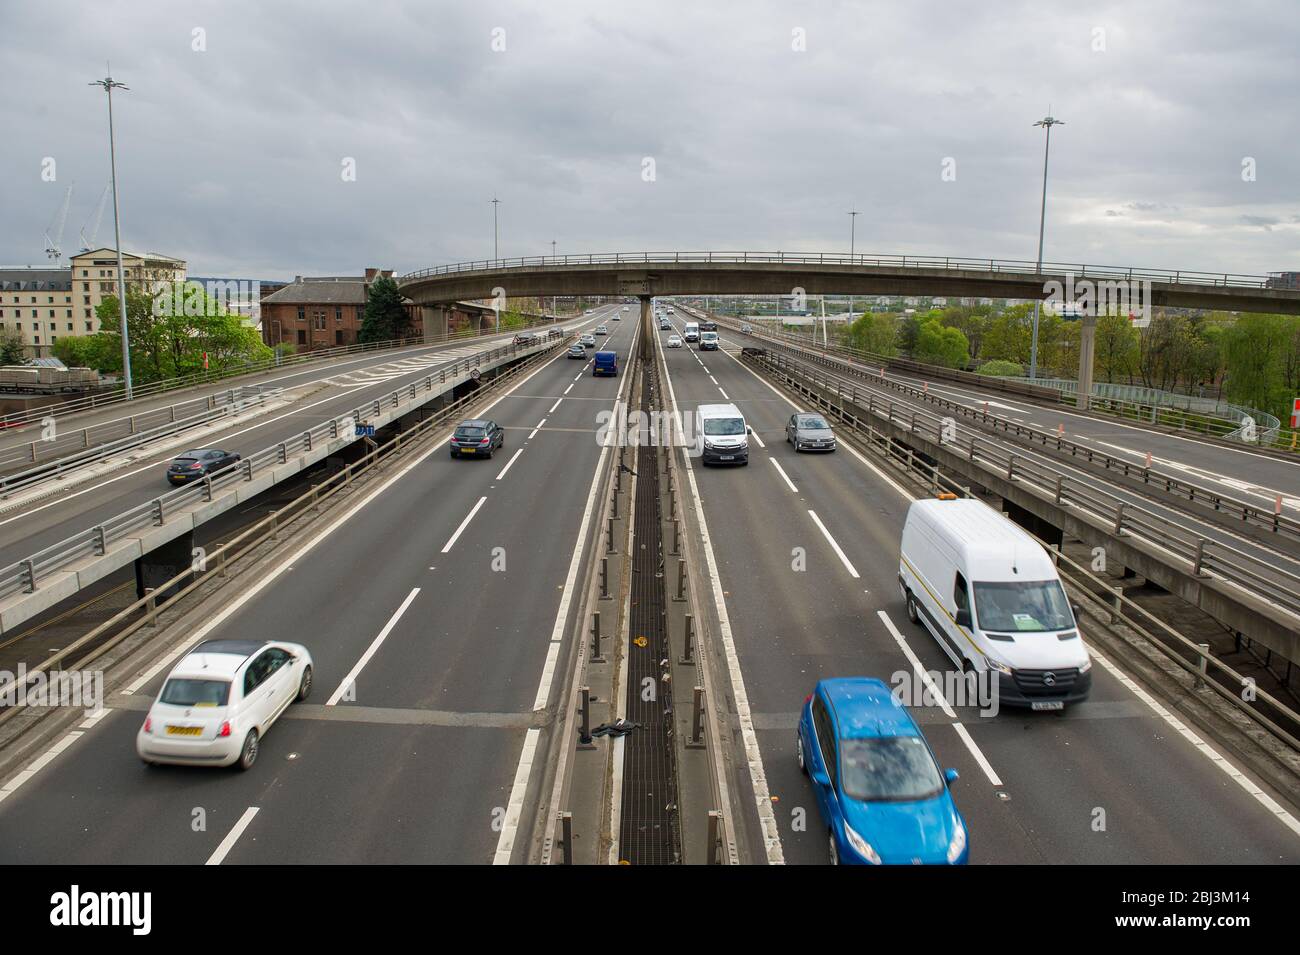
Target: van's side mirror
x,y
748,430
963,617
1076,609
950,775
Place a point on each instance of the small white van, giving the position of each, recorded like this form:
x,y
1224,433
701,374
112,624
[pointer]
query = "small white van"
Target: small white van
x,y
691,332
721,435
991,596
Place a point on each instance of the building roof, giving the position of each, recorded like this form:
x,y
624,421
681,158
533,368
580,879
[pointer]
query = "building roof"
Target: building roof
x,y
35,280
333,290
126,253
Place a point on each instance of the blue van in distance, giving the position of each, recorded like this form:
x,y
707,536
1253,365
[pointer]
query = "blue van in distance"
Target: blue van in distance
x,y
606,364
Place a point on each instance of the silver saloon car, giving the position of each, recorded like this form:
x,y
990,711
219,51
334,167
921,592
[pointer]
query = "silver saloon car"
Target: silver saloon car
x,y
808,431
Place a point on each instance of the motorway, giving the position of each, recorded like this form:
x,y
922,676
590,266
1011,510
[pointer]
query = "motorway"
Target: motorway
x,y
1218,466
315,395
455,670
451,661
1113,780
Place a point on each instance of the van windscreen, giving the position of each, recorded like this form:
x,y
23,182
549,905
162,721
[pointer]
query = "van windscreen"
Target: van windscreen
x,y
1022,606
724,425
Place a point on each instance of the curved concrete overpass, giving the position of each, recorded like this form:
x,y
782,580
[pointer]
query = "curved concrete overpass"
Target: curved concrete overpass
x,y
778,273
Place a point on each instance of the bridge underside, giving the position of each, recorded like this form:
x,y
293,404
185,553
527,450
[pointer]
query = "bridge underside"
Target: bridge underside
x,y
770,278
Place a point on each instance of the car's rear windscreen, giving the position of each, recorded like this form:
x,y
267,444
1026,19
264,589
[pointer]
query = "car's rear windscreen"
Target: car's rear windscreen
x,y
181,691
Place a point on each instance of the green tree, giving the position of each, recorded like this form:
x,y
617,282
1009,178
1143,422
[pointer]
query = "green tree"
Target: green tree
x,y
973,321
89,351
386,317
169,341
1260,355
12,350
938,344
874,332
1116,348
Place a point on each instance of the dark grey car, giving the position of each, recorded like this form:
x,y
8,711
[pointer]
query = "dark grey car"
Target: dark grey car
x,y
199,463
809,432
477,438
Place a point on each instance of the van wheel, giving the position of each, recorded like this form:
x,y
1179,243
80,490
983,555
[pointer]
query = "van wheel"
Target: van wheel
x,y
835,849
798,749
912,613
304,687
248,754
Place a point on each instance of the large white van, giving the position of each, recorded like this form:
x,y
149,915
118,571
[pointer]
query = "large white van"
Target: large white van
x,y
721,435
691,332
991,596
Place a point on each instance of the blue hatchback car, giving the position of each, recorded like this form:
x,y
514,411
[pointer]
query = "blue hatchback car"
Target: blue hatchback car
x,y
881,793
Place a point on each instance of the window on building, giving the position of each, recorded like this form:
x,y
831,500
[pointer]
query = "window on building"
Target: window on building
x,y
338,314
302,336
302,314
89,328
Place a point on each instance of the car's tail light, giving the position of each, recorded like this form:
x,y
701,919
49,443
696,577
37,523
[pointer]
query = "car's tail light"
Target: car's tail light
x,y
195,465
148,724
225,729
484,441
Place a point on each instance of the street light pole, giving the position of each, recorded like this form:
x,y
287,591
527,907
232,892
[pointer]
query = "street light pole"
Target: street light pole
x,y
853,230
496,255
109,84
1047,122
554,312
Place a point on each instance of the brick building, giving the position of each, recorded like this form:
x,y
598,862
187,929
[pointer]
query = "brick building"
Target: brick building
x,y
323,312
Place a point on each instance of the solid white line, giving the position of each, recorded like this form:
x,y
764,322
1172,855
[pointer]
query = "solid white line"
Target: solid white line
x,y
463,524
785,477
1205,749
514,808
351,679
744,714
39,763
976,752
556,405
232,837
839,552
760,441
570,388
514,457
724,394
515,803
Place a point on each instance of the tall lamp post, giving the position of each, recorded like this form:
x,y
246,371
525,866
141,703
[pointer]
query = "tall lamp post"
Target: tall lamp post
x,y
109,84
853,230
554,313
495,234
1047,122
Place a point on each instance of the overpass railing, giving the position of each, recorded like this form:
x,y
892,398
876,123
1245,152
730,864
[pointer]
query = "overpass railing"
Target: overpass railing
x,y
1021,267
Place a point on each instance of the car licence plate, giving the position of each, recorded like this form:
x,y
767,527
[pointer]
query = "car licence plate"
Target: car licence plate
x,y
726,457
184,730
1047,705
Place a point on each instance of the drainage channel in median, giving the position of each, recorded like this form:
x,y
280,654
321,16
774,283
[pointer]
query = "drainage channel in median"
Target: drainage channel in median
x,y
649,831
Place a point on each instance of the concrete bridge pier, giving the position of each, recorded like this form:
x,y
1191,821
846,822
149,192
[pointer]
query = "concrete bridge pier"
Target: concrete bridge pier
x,y
435,322
647,329
1087,351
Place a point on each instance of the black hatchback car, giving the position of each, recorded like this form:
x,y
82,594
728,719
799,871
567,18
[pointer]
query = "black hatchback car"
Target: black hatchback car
x,y
199,463
477,438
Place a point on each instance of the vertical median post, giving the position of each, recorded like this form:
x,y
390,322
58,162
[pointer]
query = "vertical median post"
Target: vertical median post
x,y
697,720
584,707
688,649
596,656
566,835
1202,666
715,818
681,581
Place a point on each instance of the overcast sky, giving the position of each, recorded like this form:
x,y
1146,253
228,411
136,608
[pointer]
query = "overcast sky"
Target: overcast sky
x,y
232,155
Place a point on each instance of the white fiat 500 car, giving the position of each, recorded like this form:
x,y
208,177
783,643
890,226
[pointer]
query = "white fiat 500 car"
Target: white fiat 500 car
x,y
220,700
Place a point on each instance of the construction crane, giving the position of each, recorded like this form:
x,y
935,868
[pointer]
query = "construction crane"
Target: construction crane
x,y
88,244
52,246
